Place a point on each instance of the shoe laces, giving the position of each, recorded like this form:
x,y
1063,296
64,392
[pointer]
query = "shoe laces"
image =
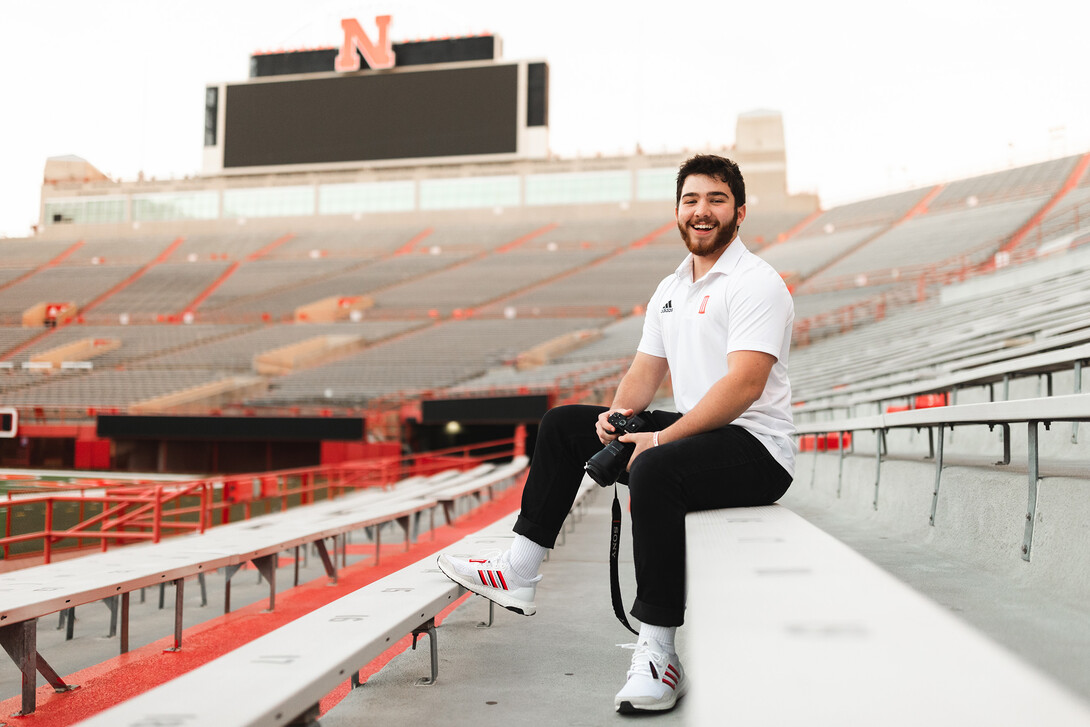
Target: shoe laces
x,y
501,560
493,556
648,660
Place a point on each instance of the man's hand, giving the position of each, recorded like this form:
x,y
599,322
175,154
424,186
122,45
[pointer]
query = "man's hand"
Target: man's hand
x,y
605,430
642,440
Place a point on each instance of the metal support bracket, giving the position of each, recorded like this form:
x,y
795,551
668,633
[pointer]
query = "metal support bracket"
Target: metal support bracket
x,y
295,582
406,524
266,566
840,472
938,471
1034,477
428,627
330,566
228,572
111,603
1006,442
179,604
20,640
881,437
68,622
491,616
1078,390
125,622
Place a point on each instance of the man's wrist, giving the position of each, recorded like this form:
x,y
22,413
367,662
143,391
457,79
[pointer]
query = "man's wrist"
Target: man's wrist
x,y
655,439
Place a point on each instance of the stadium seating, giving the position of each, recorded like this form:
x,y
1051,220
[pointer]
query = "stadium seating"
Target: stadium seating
x,y
424,360
937,238
1026,316
78,284
854,263
31,593
163,290
1022,182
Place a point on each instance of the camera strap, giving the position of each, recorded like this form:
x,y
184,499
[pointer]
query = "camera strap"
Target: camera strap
x,y
614,551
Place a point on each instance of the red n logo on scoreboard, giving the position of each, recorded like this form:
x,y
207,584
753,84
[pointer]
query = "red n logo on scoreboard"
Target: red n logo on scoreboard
x,y
378,55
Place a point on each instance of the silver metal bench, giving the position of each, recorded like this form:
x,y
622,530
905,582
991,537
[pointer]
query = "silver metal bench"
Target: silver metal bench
x,y
1031,412
279,678
795,628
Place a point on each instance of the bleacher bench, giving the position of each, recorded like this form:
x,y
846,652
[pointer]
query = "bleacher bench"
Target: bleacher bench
x,y
1031,412
795,628
279,678
485,481
30,593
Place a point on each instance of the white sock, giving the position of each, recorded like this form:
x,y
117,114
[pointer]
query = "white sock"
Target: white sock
x,y
664,635
526,556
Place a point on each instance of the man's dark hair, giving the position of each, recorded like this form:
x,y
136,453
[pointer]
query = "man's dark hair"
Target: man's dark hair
x,y
716,167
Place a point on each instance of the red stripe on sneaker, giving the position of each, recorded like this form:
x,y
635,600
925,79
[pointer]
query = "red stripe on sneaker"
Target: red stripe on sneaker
x,y
669,682
472,560
671,671
484,581
500,576
493,580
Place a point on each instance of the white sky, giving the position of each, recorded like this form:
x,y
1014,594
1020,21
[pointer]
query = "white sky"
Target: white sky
x,y
876,96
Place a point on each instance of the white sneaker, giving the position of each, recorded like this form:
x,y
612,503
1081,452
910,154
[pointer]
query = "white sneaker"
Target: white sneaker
x,y
655,680
494,579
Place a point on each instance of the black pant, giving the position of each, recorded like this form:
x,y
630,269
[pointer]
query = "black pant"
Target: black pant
x,y
726,467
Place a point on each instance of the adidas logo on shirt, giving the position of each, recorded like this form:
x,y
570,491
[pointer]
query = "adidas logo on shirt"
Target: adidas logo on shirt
x,y
668,308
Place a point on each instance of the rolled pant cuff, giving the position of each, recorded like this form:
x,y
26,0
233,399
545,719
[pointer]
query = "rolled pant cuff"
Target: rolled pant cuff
x,y
657,615
534,532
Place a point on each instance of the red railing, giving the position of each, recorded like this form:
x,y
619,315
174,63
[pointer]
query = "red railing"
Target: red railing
x,y
140,512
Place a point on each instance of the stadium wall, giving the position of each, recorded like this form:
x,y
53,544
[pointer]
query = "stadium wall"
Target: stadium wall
x,y
527,189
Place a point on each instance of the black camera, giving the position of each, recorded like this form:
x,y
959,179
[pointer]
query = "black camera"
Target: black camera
x,y
608,464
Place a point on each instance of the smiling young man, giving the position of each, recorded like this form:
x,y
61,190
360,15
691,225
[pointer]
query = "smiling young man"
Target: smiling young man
x,y
720,324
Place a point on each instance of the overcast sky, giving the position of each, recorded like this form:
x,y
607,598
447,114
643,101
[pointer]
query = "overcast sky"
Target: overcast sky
x,y
876,97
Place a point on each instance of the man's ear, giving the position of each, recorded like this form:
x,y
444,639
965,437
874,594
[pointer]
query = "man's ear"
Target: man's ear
x,y
740,212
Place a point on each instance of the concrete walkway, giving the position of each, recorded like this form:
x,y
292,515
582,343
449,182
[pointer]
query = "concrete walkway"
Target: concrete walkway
x,y
561,666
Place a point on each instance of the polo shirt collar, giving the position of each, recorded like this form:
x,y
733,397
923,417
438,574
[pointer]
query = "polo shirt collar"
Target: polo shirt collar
x,y
723,266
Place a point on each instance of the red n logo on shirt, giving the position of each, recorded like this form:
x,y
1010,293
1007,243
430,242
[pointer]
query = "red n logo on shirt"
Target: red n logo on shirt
x,y
704,304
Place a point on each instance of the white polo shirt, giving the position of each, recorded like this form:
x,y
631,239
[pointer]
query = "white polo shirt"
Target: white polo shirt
x,y
741,304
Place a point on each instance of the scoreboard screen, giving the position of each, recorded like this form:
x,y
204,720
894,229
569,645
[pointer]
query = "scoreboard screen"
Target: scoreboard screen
x,y
464,110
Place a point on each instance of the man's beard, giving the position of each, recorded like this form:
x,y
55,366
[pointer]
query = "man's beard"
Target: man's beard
x,y
716,244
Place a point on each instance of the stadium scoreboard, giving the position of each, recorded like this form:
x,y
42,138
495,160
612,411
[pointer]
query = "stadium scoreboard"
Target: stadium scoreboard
x,y
424,102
